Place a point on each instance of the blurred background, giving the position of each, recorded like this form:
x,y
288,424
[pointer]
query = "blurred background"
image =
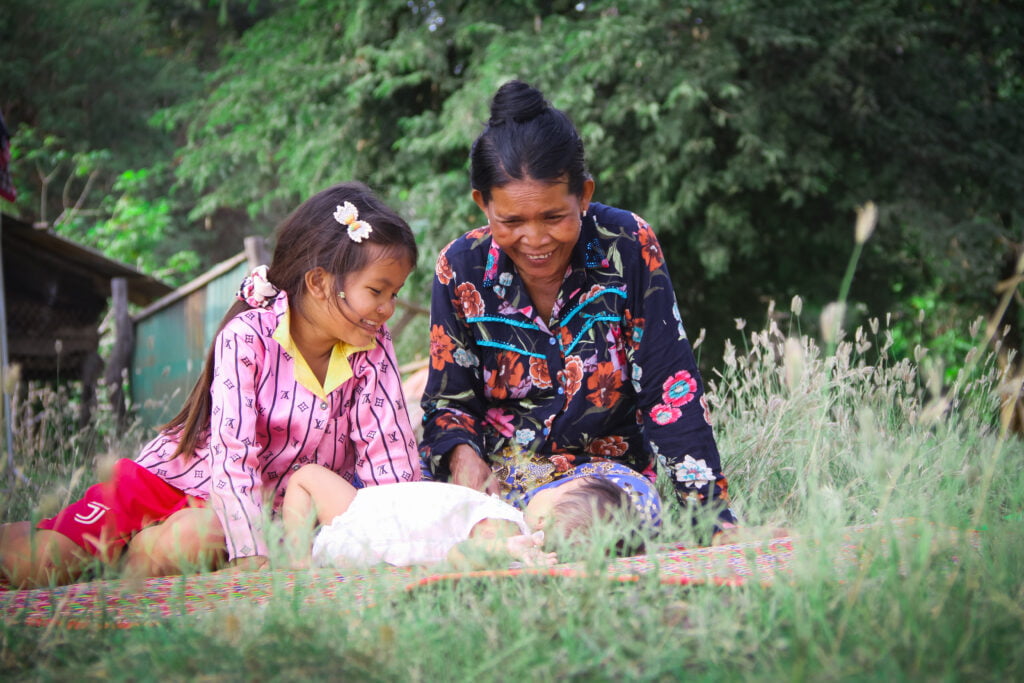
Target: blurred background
x,y
747,132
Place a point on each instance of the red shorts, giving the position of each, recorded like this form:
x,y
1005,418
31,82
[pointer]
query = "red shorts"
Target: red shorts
x,y
104,520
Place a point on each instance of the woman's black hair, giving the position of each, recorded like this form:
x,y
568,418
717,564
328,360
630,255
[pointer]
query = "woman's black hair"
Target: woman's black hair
x,y
308,238
526,137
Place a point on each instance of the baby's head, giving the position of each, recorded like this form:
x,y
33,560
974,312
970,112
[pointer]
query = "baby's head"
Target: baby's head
x,y
572,509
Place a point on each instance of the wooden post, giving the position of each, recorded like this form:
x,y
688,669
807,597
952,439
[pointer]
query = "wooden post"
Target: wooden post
x,y
12,468
120,355
256,252
92,368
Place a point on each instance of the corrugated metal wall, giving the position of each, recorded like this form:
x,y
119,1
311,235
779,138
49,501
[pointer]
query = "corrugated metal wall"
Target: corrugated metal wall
x,y
172,337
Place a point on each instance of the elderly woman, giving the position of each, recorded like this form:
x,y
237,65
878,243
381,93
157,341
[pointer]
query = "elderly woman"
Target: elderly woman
x,y
556,343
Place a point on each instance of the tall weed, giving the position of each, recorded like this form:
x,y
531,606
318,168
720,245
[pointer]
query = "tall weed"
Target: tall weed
x,y
53,460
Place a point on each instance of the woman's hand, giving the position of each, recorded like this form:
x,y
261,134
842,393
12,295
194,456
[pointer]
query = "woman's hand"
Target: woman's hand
x,y
469,469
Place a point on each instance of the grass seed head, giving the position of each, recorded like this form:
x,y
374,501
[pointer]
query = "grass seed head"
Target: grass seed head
x,y
832,322
867,218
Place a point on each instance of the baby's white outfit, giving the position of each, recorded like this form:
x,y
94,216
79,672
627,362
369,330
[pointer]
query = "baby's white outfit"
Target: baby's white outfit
x,y
406,524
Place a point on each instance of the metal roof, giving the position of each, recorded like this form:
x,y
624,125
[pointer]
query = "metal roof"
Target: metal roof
x,y
63,253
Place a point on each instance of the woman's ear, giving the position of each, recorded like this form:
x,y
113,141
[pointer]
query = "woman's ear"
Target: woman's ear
x,y
478,197
587,194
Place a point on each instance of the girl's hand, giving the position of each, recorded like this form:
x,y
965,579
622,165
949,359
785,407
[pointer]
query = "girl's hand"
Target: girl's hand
x,y
469,469
249,564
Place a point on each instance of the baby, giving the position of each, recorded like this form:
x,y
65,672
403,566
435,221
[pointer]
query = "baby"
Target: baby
x,y
428,522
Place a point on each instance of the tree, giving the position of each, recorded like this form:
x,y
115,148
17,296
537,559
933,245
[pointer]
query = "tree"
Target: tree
x,y
81,81
745,131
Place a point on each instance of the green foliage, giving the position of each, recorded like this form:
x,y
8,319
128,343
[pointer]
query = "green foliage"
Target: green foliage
x,y
88,71
82,91
66,178
315,94
139,230
943,334
81,81
745,131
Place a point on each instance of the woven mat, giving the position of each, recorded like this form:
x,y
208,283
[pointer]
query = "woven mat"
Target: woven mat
x,y
122,604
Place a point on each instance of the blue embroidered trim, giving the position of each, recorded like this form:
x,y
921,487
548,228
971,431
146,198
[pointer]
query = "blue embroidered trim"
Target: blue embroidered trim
x,y
576,310
497,319
509,347
586,328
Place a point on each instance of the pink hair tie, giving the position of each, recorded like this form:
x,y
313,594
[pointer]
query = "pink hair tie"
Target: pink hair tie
x,y
256,289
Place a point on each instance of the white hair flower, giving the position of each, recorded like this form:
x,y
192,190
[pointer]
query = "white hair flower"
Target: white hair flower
x,y
348,215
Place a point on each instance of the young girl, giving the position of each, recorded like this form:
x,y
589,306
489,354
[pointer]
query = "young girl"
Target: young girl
x,y
301,371
429,522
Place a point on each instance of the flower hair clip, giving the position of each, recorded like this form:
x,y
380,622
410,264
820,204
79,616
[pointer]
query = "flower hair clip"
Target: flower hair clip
x,y
348,215
256,289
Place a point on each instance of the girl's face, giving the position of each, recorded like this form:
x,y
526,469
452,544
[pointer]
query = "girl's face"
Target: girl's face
x,y
537,224
369,300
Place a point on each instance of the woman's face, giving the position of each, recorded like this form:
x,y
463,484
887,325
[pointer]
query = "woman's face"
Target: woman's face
x,y
537,224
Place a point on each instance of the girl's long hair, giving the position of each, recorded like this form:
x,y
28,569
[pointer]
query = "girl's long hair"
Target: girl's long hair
x,y
308,238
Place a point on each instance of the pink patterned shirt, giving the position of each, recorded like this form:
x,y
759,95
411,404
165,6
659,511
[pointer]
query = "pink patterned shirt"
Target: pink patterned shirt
x,y
269,417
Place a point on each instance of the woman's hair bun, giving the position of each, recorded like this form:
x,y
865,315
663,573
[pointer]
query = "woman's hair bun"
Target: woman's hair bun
x,y
526,137
518,102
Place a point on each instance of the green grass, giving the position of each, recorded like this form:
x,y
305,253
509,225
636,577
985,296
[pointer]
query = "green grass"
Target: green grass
x,y
810,442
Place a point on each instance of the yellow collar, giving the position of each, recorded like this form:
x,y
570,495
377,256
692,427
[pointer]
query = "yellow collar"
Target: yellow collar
x,y
339,370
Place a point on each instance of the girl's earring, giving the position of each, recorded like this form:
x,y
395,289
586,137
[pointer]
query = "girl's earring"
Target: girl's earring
x,y
341,295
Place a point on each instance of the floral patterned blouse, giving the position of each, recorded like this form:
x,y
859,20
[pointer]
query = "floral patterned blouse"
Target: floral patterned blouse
x,y
610,377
